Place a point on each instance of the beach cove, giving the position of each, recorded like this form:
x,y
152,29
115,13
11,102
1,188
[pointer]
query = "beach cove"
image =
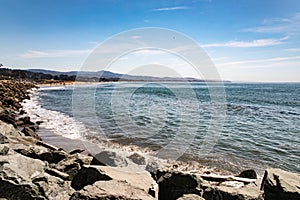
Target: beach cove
x,y
34,169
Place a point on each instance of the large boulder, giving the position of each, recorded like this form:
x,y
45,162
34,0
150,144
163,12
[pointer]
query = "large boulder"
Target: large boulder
x,y
53,187
9,130
113,189
109,158
87,176
279,184
139,179
72,164
173,185
15,177
232,193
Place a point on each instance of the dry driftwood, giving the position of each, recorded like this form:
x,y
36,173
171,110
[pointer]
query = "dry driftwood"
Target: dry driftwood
x,y
220,178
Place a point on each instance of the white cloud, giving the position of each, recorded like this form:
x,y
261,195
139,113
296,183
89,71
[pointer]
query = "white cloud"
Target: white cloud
x,y
172,8
278,25
245,44
293,49
256,63
30,54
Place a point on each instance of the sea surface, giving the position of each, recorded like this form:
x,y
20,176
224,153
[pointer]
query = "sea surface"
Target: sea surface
x,y
258,128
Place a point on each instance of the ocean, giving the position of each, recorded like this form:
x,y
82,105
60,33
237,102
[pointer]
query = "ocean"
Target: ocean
x,y
259,128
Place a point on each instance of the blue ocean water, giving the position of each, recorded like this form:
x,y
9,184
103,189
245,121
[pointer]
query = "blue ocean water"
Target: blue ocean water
x,y
261,125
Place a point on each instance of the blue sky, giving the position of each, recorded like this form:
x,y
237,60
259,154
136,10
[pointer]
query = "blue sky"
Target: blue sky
x,y
248,40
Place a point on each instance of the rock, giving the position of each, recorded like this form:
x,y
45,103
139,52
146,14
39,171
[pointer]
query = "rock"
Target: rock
x,y
109,158
107,190
76,151
87,176
3,139
139,179
72,164
15,177
53,187
4,151
190,197
279,184
53,156
26,120
137,159
42,153
29,132
173,185
9,130
231,193
250,173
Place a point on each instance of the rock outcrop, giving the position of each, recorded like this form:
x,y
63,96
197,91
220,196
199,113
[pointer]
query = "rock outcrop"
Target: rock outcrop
x,y
278,184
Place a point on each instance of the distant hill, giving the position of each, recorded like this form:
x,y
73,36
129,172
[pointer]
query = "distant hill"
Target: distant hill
x,y
107,75
99,76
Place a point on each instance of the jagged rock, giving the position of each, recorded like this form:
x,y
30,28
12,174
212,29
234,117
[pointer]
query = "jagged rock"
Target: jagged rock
x,y
139,179
190,197
109,158
250,173
29,132
9,130
87,176
3,139
72,164
113,189
173,185
42,153
53,188
4,151
137,159
232,193
15,177
279,184
26,120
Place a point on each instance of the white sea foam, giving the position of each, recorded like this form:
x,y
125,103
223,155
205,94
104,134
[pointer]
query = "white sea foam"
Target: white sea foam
x,y
58,122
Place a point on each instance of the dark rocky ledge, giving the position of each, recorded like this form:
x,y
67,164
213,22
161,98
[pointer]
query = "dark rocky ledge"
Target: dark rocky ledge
x,y
33,169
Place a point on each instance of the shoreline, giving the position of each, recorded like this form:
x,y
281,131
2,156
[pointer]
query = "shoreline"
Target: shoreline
x,y
48,165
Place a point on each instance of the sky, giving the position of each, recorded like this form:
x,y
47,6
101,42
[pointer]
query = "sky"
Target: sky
x,y
247,40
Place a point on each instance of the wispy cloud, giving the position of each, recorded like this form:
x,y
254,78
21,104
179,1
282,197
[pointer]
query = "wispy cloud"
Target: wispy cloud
x,y
293,49
171,8
256,63
246,44
278,25
30,54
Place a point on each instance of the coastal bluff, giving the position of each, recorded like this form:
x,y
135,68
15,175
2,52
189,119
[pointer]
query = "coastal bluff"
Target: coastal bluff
x,y
33,169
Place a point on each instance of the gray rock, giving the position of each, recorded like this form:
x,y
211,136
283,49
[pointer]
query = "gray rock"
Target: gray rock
x,y
250,173
4,151
109,158
279,184
9,130
173,185
72,164
137,159
113,189
15,177
30,132
3,139
232,193
87,176
53,188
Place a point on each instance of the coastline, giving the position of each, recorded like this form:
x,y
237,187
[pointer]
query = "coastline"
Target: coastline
x,y
54,166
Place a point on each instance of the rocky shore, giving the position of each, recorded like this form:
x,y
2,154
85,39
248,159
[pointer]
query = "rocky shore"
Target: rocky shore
x,y
33,169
